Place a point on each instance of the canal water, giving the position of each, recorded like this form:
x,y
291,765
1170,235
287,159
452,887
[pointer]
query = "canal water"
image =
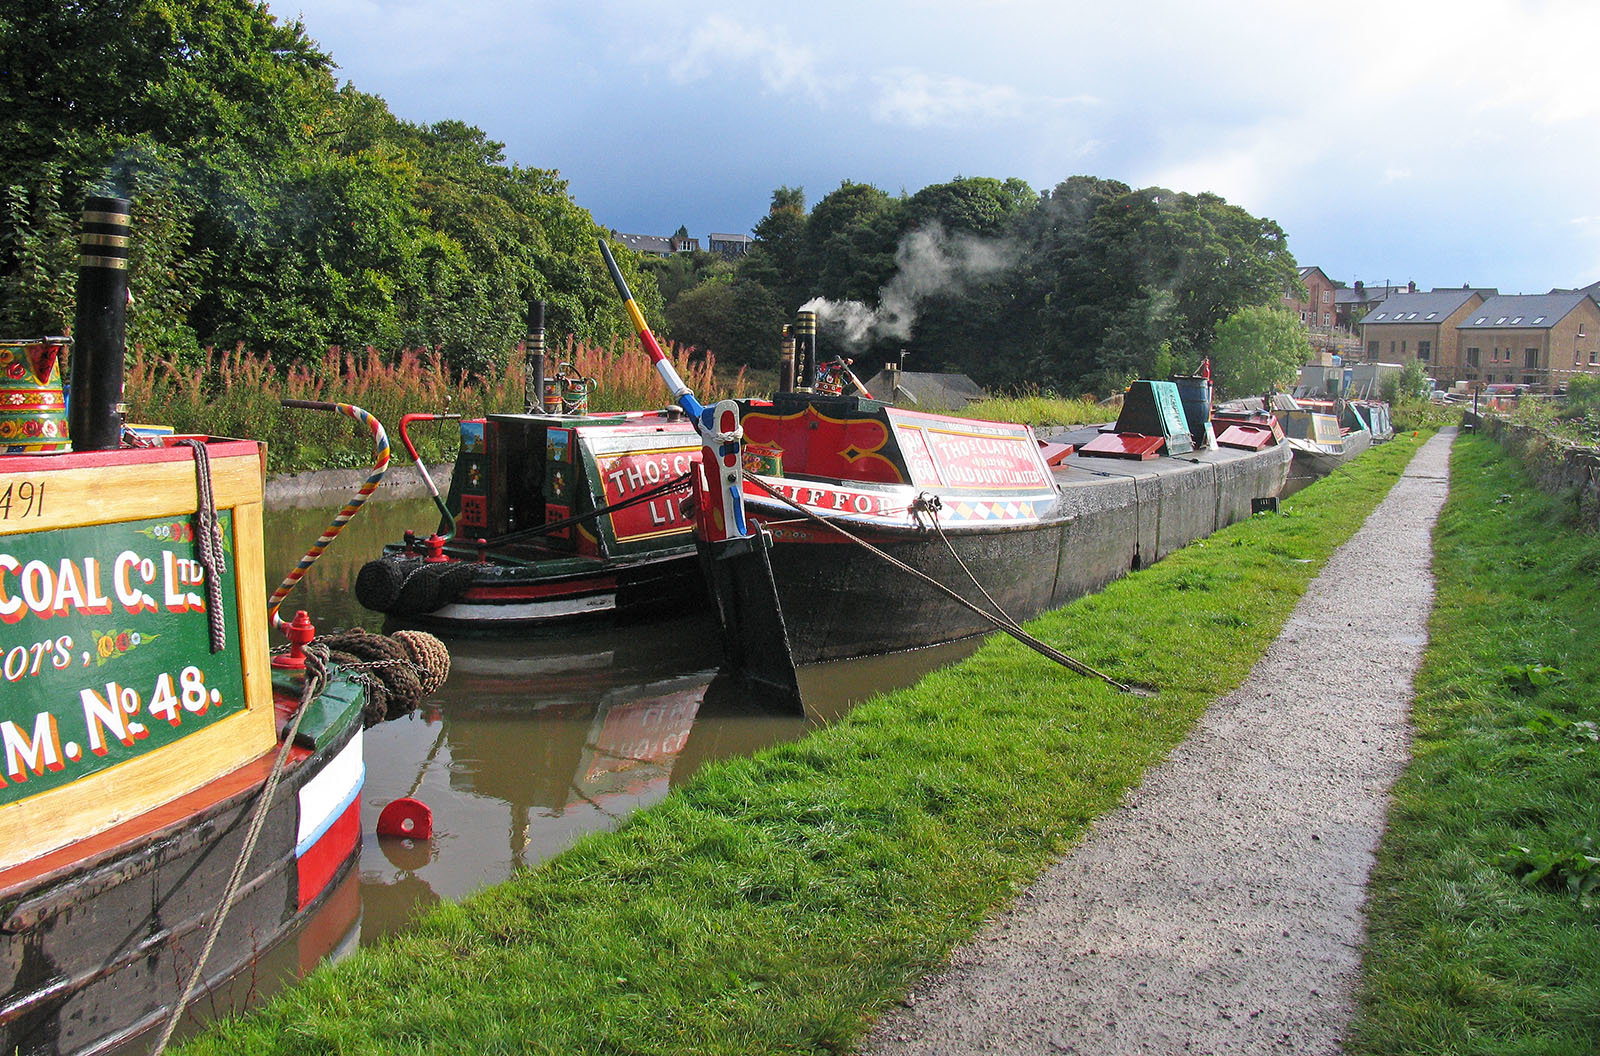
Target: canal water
x,y
533,741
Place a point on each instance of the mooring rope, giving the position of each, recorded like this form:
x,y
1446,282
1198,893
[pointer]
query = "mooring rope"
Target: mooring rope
x,y
1001,622
316,678
208,542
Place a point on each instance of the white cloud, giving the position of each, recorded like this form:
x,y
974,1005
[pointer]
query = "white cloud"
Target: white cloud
x,y
911,97
718,47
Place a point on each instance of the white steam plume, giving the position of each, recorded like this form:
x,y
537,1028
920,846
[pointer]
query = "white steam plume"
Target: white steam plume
x,y
929,262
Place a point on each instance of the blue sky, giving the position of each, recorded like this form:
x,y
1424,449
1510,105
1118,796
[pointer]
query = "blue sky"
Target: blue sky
x,y
1381,137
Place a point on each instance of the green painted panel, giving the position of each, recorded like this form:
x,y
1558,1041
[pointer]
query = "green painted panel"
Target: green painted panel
x,y
105,649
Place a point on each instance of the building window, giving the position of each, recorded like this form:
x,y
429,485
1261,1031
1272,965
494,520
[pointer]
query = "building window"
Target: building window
x,y
1327,296
1580,331
1327,320
1472,357
1302,317
1530,358
1425,350
1372,350
1594,355
1402,348
1391,349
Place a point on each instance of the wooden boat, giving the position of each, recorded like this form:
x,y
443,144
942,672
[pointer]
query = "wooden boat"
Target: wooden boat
x,y
966,502
550,519
140,719
1323,434
836,526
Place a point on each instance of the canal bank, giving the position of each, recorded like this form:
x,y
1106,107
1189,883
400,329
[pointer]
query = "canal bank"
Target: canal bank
x,y
1219,908
776,903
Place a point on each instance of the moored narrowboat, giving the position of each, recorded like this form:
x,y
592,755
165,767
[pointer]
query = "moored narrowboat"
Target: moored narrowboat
x,y
144,732
550,519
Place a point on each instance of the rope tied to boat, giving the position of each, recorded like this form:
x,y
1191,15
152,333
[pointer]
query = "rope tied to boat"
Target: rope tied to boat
x,y
208,541
397,670
1001,622
316,679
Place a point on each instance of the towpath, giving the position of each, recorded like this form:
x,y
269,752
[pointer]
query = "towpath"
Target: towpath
x,y
1219,908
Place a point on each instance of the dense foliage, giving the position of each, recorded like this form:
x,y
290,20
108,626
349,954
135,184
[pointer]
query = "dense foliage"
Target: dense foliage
x,y
1082,287
280,212
273,207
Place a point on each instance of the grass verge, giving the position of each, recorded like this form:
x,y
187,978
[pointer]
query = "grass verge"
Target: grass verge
x,y
776,903
1486,897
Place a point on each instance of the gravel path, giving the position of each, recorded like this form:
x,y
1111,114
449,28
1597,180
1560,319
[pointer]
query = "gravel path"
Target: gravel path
x,y
1219,908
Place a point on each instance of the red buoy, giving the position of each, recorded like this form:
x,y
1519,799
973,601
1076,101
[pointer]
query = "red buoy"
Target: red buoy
x,y
406,817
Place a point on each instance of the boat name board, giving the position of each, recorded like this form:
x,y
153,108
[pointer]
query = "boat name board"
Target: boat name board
x,y
105,649
627,474
972,454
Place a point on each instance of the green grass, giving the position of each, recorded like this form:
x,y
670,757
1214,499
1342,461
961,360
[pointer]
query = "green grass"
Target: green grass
x,y
1040,410
776,904
1485,902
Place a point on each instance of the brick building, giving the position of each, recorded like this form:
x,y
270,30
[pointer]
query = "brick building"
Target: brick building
x,y
1530,339
1421,327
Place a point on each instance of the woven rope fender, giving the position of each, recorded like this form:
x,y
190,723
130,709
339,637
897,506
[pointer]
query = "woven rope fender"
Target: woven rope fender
x,y
397,670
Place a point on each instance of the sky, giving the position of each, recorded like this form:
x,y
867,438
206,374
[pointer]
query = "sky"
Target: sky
x,y
1443,143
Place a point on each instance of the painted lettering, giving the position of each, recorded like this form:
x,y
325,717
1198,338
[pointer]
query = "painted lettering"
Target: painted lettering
x,y
37,753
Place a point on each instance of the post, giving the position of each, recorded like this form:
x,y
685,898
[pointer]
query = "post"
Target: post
x,y
805,351
786,361
95,409
533,386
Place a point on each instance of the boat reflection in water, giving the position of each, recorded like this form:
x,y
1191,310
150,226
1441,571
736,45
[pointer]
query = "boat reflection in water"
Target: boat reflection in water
x,y
534,742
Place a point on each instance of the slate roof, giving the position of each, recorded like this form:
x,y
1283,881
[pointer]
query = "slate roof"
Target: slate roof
x,y
1529,311
928,391
1417,309
1365,295
655,245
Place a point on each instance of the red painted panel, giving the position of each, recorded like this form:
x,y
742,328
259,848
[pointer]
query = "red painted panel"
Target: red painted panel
x,y
814,444
316,867
1124,445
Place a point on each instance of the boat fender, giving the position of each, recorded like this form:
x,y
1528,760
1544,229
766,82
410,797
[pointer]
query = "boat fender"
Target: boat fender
x,y
406,818
379,581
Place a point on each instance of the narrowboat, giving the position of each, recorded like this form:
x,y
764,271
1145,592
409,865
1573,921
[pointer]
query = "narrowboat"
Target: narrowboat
x,y
143,725
550,519
834,526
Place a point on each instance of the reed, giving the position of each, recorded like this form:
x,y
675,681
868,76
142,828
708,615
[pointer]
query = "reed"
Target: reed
x,y
240,393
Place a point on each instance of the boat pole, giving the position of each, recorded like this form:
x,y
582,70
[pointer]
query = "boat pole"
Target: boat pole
x,y
422,470
755,642
720,434
380,466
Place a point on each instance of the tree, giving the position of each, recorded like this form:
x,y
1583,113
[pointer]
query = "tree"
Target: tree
x,y
1256,349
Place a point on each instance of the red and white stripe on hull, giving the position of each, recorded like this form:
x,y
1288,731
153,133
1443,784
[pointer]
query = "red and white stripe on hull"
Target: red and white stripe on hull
x,y
330,820
544,609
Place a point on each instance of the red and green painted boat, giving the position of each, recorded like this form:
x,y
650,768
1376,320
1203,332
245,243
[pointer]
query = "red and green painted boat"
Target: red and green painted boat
x,y
142,724
550,519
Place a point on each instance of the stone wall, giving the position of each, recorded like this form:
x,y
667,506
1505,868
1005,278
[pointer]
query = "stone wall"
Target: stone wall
x,y
1556,466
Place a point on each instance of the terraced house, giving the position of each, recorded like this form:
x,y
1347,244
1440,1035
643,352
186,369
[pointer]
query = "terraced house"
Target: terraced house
x,y
1421,327
1531,339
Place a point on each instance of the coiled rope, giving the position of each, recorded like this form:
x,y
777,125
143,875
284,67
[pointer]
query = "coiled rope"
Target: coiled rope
x,y
1001,622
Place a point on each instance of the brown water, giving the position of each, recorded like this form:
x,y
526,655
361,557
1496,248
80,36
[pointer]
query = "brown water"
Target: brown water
x,y
536,740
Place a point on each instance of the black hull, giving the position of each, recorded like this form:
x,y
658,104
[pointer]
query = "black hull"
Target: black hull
x,y
840,601
491,597
96,955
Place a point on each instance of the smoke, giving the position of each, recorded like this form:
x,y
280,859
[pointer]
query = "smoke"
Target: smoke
x,y
928,263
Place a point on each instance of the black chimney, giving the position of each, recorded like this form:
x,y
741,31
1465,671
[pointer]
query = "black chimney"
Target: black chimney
x,y
533,385
95,411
